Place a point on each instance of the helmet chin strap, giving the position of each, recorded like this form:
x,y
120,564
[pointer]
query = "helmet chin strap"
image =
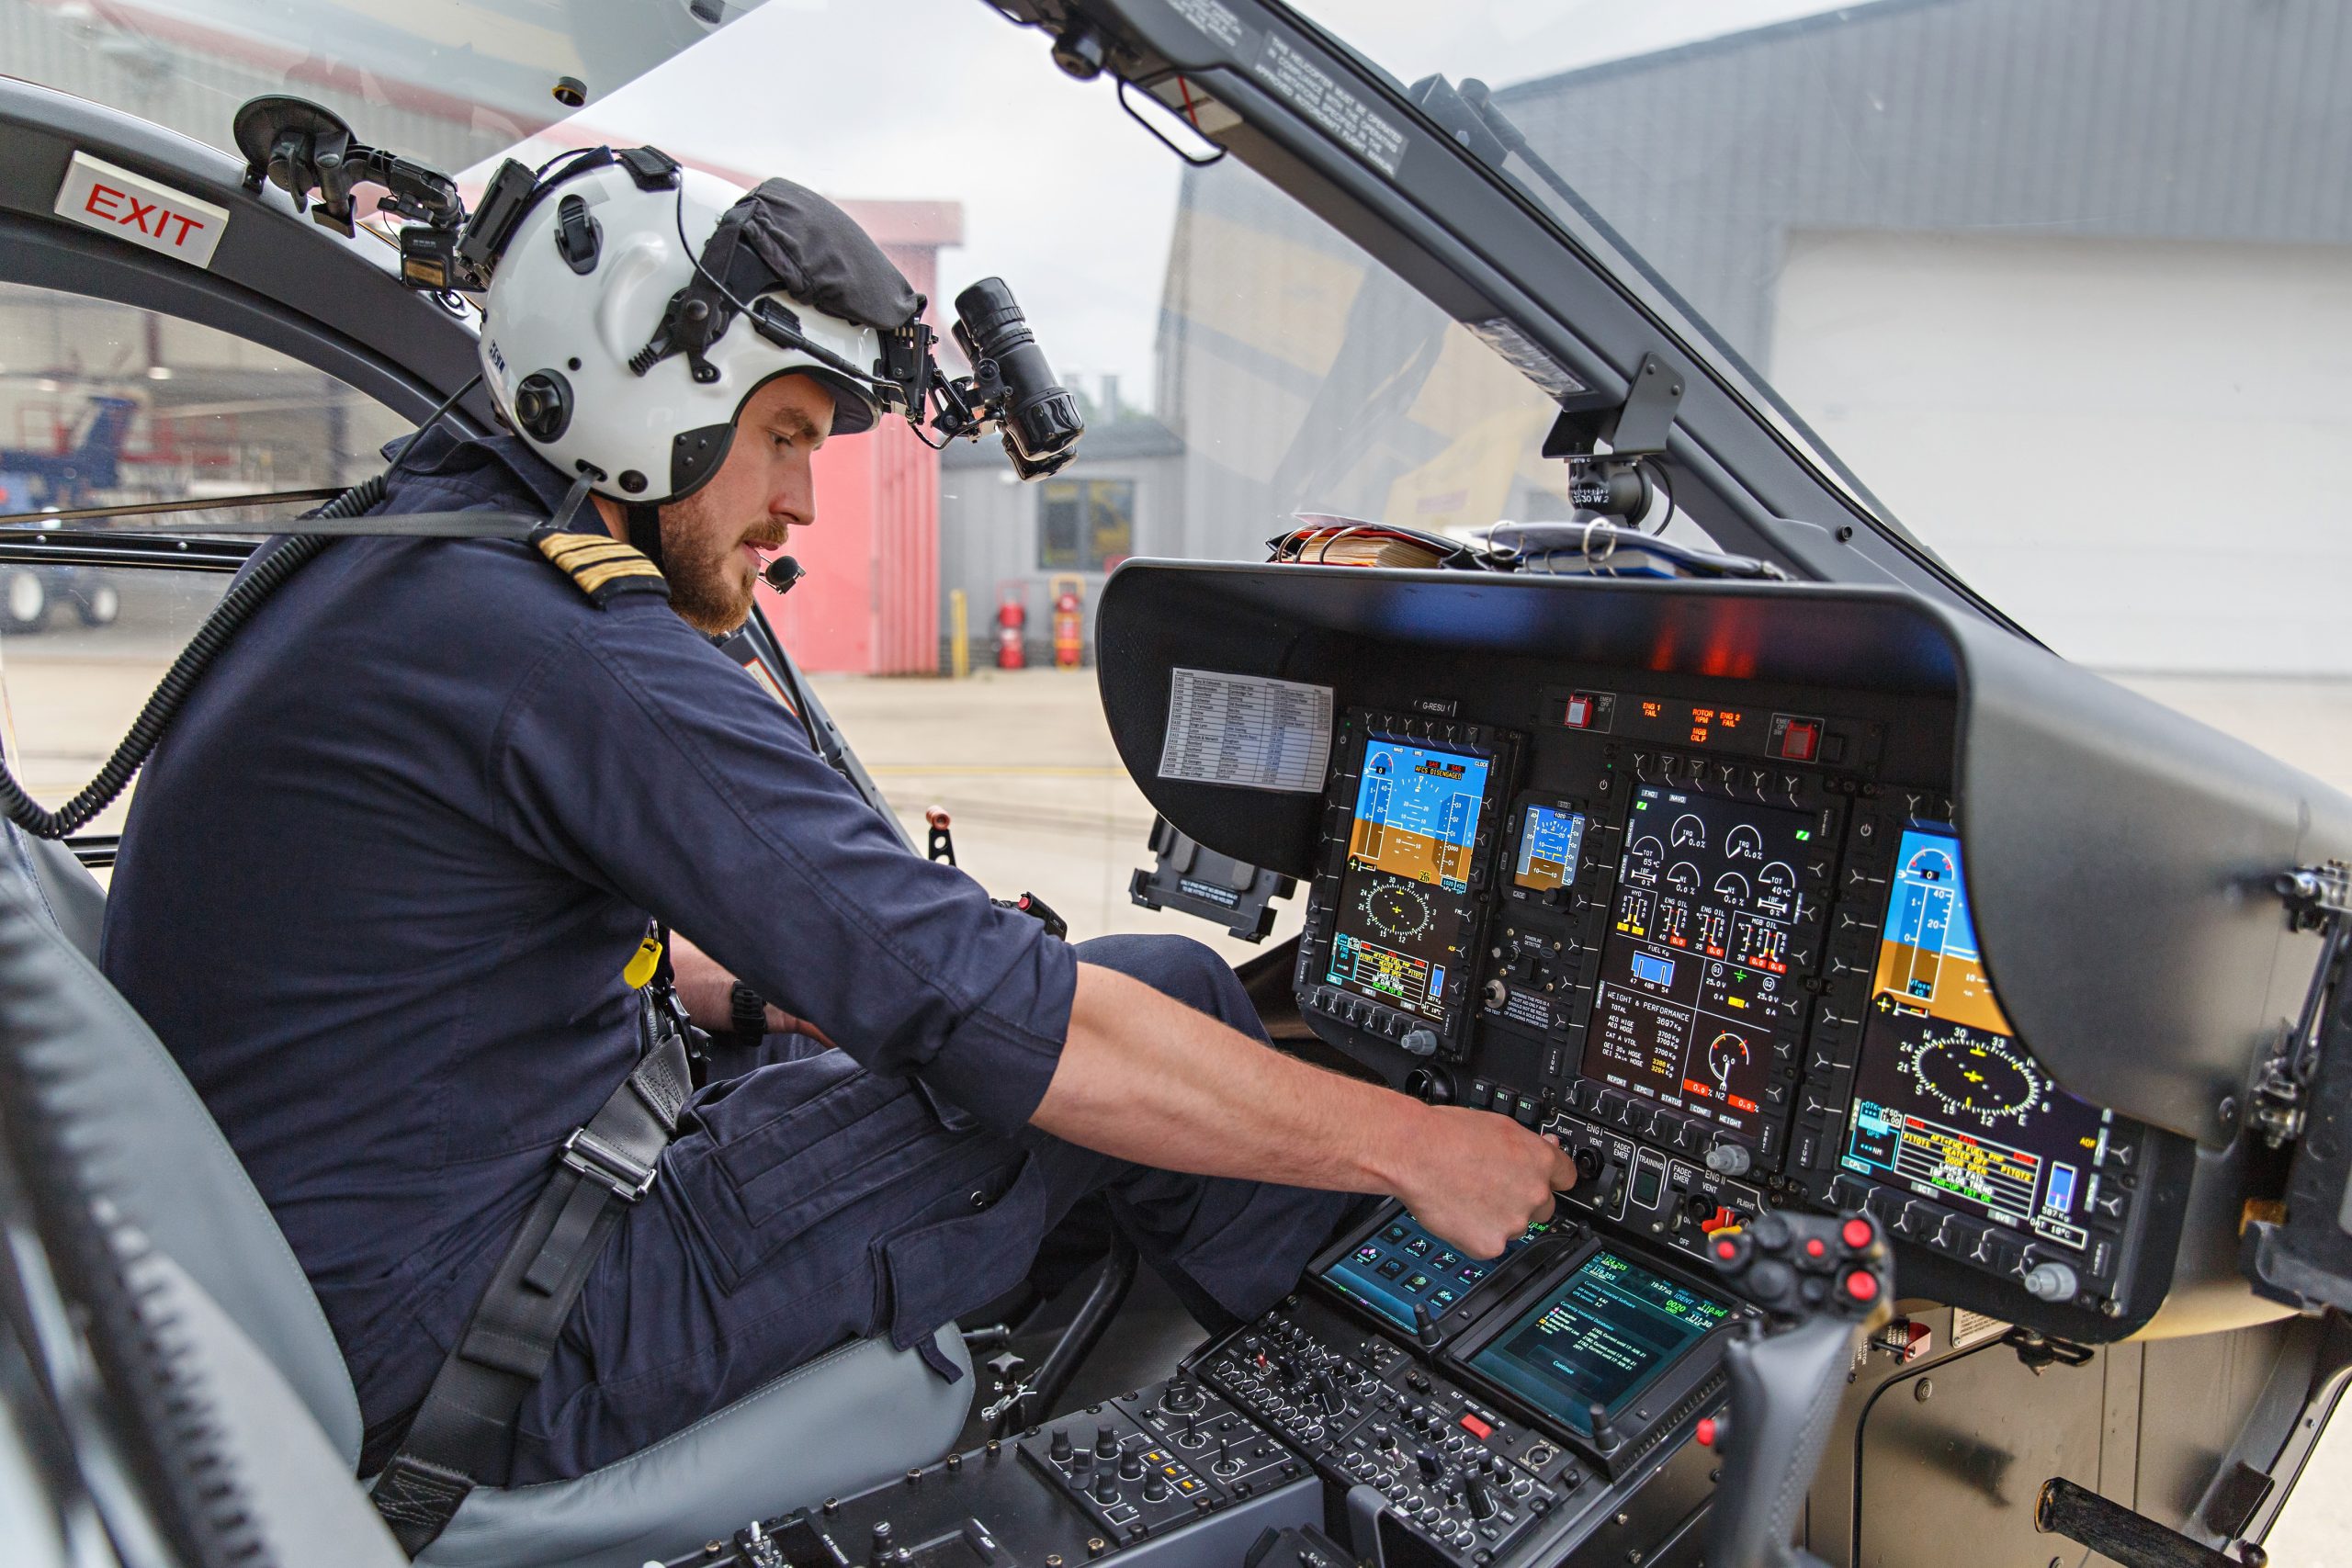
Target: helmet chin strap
x,y
645,531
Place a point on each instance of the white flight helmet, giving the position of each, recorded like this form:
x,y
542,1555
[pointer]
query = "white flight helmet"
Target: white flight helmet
x,y
594,337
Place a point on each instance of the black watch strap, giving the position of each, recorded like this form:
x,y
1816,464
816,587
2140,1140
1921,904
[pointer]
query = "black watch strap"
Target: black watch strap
x,y
748,1012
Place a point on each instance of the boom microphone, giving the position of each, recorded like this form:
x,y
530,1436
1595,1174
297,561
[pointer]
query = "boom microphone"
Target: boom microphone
x,y
782,574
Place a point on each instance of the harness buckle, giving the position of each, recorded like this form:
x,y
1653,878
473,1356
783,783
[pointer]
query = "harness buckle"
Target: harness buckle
x,y
593,1158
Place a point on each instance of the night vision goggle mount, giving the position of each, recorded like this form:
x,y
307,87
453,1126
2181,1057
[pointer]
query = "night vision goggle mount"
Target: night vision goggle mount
x,y
311,155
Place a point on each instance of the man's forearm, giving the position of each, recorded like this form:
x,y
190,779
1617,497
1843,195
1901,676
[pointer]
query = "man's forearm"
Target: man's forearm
x,y
1146,1078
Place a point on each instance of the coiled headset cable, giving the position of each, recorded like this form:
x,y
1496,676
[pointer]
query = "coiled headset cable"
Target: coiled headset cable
x,y
253,588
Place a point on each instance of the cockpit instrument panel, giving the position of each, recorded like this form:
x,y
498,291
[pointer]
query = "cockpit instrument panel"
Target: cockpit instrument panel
x,y
1702,939
1700,969
1949,1106
1405,885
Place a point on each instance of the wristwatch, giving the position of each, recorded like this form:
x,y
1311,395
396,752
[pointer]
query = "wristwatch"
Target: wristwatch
x,y
747,1014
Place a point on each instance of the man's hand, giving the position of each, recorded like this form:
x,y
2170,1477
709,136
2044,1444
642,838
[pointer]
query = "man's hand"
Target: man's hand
x,y
1477,1179
707,989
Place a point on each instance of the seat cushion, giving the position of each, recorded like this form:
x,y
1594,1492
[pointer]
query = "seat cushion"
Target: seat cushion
x,y
845,1421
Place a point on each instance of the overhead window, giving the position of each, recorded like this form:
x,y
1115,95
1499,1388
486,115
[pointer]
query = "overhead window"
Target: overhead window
x,y
1085,525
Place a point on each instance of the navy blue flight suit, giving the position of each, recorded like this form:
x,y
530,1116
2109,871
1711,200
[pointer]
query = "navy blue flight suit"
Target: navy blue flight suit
x,y
375,893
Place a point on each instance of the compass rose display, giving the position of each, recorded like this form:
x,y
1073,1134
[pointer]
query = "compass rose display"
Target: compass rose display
x,y
1397,909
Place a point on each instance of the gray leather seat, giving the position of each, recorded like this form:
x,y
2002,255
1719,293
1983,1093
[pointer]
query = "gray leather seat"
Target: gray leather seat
x,y
851,1418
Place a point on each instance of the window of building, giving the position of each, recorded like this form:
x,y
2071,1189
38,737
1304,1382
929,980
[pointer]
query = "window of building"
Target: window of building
x,y
1085,525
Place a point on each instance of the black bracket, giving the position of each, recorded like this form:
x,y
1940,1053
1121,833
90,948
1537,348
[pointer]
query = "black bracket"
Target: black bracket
x,y
2318,898
2300,1251
2036,1351
1636,427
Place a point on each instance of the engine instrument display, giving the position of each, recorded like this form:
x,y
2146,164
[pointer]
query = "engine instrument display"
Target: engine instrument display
x,y
1607,1332
1549,841
1402,911
1947,1102
1694,975
1400,1266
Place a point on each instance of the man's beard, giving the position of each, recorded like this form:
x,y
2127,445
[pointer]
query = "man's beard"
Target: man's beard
x,y
710,582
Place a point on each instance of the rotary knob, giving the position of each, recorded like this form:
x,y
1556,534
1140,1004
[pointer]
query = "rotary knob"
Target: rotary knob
x,y
2050,1281
1420,1042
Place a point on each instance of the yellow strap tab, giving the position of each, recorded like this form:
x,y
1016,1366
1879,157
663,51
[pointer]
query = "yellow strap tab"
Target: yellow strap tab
x,y
643,962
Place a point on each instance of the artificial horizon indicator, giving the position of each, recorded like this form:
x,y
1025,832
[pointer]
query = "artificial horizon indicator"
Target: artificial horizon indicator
x,y
1410,847
1947,1103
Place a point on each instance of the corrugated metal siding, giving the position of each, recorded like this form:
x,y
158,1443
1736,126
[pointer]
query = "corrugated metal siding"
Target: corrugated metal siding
x,y
2161,119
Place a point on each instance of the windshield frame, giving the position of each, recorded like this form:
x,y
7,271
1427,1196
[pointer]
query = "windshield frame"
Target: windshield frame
x,y
1481,248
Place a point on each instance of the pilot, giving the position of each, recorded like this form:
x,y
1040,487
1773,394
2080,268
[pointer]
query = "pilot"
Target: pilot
x,y
391,890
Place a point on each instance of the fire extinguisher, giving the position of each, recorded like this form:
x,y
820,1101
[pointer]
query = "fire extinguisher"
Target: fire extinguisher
x,y
1070,624
1011,618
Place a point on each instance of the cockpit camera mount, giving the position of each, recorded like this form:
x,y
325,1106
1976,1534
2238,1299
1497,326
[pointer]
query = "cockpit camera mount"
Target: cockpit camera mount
x,y
309,152
1617,483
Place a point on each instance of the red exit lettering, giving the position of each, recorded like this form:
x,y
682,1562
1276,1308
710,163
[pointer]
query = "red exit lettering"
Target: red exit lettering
x,y
151,218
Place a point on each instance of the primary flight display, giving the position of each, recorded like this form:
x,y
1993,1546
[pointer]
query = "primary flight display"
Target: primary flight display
x,y
1947,1101
1410,851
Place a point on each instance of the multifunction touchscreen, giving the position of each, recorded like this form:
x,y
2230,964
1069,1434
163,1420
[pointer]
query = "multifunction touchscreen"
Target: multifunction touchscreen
x,y
1611,1330
1400,1266
1404,897
1947,1102
1694,976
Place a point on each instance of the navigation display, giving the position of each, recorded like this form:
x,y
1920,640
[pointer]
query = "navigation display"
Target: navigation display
x,y
1549,839
1602,1338
1401,908
1401,1266
1947,1103
1694,976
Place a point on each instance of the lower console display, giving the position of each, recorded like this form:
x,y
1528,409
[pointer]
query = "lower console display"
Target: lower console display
x,y
1947,1103
1401,1266
1694,976
1601,1337
1404,907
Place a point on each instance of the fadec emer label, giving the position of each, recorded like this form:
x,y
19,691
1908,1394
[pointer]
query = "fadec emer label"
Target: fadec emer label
x,y
131,207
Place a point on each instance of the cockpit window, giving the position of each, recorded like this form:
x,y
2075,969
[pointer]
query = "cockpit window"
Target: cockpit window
x,y
103,405
1995,254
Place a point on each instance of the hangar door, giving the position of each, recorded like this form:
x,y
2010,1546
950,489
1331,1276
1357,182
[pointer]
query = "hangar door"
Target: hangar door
x,y
2145,486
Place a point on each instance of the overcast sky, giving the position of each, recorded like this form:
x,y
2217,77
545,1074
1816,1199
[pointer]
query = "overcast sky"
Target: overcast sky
x,y
1063,195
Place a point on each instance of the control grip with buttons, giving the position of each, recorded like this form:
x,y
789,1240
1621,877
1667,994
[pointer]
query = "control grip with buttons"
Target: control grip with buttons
x,y
1820,1281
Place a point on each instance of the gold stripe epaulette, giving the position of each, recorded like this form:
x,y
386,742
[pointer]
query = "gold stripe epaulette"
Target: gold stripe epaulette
x,y
602,565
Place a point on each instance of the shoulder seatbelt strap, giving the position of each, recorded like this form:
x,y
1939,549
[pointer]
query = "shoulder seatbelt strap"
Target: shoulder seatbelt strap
x,y
464,1432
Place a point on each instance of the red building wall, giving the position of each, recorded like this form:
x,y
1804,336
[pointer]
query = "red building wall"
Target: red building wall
x,y
870,601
